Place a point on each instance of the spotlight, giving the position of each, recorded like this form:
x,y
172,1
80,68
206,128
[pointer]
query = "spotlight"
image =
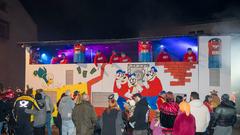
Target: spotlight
x,y
44,57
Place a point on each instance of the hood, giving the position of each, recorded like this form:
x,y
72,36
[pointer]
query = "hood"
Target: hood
x,y
41,103
196,103
65,99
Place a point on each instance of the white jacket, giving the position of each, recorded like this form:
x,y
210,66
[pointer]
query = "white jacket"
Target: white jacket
x,y
201,114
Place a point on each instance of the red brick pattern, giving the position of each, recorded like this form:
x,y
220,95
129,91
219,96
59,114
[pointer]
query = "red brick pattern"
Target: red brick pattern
x,y
179,71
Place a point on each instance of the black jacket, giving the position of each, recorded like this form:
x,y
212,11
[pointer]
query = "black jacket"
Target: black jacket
x,y
140,115
225,114
3,111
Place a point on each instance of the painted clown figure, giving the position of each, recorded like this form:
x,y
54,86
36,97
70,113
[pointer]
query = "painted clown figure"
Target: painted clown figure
x,y
121,88
152,87
144,50
79,53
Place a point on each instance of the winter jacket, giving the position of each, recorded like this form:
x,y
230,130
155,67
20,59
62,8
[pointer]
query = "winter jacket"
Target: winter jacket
x,y
39,115
3,111
140,115
225,115
84,118
201,114
65,108
168,114
49,104
184,125
111,122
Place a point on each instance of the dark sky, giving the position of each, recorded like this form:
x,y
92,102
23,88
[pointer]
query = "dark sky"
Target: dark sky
x,y
97,19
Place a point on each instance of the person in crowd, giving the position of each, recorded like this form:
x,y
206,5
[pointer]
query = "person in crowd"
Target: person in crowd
x,y
124,58
215,99
23,119
39,115
163,56
84,116
54,60
185,122
58,119
129,108
49,110
207,102
168,113
179,99
161,98
64,59
155,125
76,97
190,56
111,121
99,58
200,112
225,116
65,109
3,113
114,57
140,115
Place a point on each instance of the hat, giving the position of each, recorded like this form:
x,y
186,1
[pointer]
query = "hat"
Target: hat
x,y
184,107
67,93
154,69
120,71
111,97
162,92
225,97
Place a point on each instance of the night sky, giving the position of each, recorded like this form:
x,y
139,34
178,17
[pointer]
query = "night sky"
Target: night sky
x,y
98,19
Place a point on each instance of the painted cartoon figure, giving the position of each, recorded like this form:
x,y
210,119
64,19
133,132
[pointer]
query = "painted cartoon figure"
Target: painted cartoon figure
x,y
152,87
42,73
121,88
79,53
133,84
144,50
214,53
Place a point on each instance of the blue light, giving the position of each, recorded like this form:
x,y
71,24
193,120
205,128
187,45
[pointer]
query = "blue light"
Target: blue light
x,y
44,57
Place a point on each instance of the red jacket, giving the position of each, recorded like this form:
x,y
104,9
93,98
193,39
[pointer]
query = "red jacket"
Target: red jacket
x,y
100,59
125,59
64,61
155,87
114,59
160,101
122,91
208,105
164,57
184,125
79,48
190,57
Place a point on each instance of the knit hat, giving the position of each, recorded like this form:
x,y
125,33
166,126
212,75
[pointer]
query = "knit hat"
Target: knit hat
x,y
184,107
68,93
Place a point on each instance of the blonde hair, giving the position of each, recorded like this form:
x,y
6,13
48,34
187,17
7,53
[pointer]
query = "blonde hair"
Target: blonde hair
x,y
79,99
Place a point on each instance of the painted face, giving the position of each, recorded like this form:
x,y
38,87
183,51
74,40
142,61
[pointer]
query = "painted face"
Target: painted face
x,y
124,79
150,75
132,80
119,75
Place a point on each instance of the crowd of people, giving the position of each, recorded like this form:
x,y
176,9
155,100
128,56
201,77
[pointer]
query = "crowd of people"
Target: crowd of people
x,y
77,116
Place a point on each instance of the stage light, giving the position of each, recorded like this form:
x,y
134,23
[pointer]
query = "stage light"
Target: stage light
x,y
59,55
44,57
161,46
